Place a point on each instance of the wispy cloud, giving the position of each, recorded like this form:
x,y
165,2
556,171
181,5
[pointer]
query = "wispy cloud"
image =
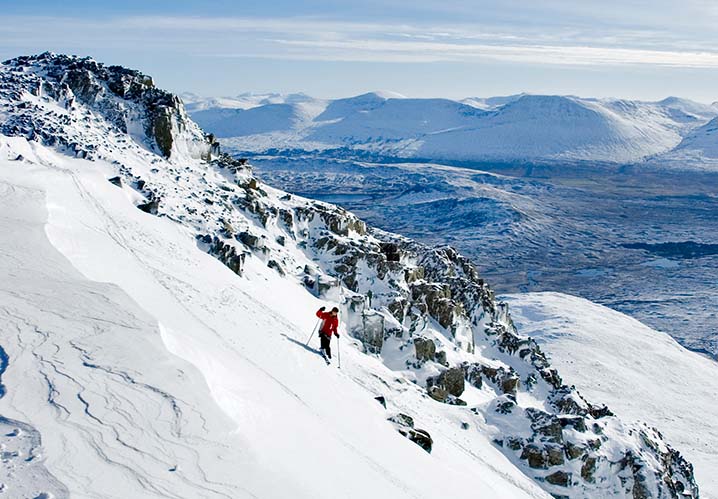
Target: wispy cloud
x,y
308,38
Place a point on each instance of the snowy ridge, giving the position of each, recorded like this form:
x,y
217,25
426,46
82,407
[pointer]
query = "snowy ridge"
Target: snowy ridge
x,y
424,331
677,382
521,127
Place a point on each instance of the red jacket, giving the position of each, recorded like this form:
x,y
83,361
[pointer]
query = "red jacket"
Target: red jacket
x,y
330,324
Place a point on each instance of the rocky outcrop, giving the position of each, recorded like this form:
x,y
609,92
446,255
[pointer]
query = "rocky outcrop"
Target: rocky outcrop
x,y
405,426
425,349
372,335
224,252
447,386
125,98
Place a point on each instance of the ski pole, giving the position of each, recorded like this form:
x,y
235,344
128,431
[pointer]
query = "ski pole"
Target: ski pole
x,y
313,331
339,354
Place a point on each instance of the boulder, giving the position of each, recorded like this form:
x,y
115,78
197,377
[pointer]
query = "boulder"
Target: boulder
x,y
372,333
250,240
441,358
536,457
555,455
450,381
404,424
546,427
437,301
560,478
588,469
472,372
425,348
150,207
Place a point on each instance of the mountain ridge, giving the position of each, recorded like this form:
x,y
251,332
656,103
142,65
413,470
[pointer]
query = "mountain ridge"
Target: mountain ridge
x,y
430,333
523,127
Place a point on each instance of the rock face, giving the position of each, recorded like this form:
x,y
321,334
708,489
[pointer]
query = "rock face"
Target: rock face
x,y
425,349
372,331
402,299
450,383
225,252
126,98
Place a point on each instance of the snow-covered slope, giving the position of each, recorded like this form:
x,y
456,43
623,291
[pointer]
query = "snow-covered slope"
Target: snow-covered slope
x,y
167,356
704,139
623,361
520,127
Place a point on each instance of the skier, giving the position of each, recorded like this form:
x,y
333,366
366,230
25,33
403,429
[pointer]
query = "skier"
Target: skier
x,y
329,326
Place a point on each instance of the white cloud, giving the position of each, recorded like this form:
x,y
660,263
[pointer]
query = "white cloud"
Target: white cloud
x,y
307,38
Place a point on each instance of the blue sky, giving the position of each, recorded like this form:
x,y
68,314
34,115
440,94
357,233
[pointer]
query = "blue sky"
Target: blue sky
x,y
423,48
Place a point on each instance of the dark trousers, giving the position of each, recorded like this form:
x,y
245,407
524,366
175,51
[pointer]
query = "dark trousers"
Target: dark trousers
x,y
324,341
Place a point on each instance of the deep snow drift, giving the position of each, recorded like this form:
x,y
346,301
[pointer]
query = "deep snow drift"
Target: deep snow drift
x,y
165,353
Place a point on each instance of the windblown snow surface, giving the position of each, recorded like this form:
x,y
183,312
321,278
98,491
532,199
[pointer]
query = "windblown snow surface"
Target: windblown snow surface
x,y
639,372
147,364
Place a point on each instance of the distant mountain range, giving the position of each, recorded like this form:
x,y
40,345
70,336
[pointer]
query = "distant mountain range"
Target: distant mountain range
x,y
518,127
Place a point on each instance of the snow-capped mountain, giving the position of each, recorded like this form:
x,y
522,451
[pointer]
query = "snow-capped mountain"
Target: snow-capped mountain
x,y
520,127
161,351
247,100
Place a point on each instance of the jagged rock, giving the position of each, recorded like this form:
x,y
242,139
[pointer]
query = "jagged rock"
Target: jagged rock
x,y
510,383
546,426
449,382
382,400
391,251
150,207
414,274
574,451
578,423
224,252
536,456
472,373
250,240
560,478
115,181
372,331
588,469
404,424
555,455
403,420
504,405
569,401
425,349
396,308
598,412
515,443
437,300
273,264
441,358
325,285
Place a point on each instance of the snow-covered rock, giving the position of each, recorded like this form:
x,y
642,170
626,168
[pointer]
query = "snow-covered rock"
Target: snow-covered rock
x,y
169,348
640,373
